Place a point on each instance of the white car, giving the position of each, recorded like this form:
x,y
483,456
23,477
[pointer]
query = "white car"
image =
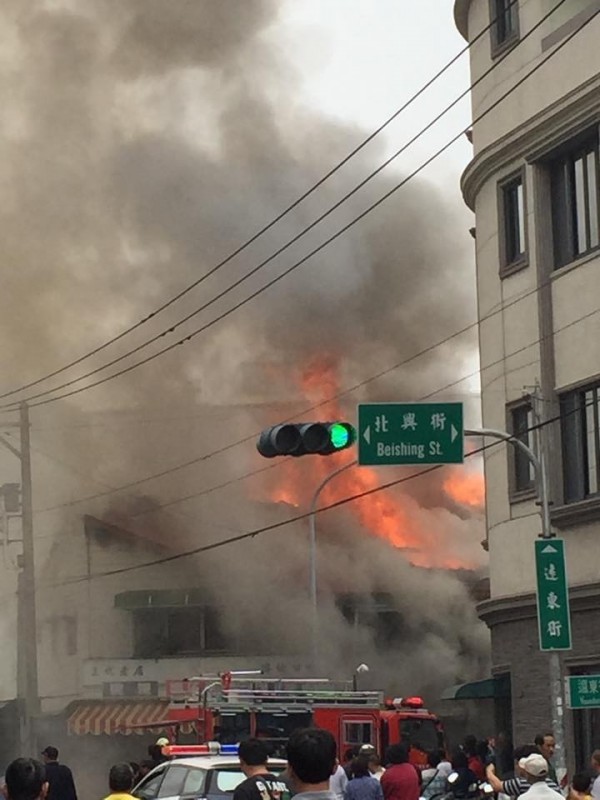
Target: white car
x,y
205,777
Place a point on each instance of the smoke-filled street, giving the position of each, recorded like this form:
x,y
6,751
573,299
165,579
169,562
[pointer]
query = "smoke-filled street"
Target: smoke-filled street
x,y
149,150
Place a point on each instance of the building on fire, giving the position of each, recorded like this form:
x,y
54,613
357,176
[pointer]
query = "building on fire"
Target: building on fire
x,y
115,645
533,184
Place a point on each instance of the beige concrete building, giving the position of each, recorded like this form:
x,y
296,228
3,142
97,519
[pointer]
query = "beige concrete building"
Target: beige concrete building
x,y
533,184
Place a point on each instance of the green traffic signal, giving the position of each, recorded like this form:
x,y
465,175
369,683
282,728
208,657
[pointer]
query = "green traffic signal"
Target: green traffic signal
x,y
340,435
305,438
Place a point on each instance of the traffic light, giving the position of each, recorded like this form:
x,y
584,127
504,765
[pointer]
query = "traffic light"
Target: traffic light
x,y
305,438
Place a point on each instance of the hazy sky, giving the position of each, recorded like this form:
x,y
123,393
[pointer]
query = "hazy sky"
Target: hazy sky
x,y
360,60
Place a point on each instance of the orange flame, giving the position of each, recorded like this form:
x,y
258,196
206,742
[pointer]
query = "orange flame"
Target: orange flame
x,y
466,488
392,516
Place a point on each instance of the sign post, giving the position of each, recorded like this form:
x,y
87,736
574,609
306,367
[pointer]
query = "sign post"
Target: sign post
x,y
554,619
397,434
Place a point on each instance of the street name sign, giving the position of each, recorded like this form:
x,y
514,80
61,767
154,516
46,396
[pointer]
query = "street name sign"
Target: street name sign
x,y
410,434
583,691
554,618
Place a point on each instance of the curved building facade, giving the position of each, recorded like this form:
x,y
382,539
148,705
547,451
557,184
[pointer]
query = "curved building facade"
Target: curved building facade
x,y
534,185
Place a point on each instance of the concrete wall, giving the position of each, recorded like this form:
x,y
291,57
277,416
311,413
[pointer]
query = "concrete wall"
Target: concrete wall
x,y
515,648
572,65
514,315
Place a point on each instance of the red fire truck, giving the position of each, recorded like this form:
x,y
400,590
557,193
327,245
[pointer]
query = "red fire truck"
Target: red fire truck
x,y
229,709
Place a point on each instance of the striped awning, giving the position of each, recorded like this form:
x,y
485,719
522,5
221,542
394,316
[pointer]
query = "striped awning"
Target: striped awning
x,y
112,717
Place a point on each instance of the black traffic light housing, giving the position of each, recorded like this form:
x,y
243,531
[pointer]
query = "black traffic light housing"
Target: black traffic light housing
x,y
306,438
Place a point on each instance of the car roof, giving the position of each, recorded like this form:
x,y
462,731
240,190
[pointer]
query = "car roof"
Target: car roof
x,y
212,762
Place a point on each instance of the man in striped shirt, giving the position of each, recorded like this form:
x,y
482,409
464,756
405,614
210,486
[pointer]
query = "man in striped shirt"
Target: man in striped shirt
x,y
514,787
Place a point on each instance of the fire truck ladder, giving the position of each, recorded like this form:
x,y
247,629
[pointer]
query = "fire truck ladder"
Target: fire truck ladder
x,y
290,699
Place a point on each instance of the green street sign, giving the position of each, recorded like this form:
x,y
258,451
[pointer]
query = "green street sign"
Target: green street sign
x,y
410,433
554,618
583,691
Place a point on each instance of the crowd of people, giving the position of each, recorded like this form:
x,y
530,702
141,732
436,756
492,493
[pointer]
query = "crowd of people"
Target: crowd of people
x,y
475,768
314,772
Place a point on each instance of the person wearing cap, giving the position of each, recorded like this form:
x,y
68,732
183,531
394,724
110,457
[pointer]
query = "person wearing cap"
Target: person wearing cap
x,y
59,776
536,771
514,787
155,751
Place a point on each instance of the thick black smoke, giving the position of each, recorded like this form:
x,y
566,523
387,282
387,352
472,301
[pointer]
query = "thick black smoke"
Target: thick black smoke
x,y
143,140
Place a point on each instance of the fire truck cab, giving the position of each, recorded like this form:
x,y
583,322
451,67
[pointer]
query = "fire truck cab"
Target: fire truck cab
x,y
229,710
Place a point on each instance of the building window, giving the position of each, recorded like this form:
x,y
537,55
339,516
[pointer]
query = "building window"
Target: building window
x,y
178,631
358,732
521,475
580,413
575,205
504,19
513,247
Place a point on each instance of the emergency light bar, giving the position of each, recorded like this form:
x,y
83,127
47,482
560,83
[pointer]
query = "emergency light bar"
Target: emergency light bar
x,y
208,749
408,702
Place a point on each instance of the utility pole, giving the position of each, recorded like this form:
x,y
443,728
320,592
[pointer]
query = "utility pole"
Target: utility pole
x,y
27,669
27,631
312,569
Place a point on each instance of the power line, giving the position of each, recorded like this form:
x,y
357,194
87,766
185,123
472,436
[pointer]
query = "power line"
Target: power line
x,y
313,252
328,400
266,227
299,517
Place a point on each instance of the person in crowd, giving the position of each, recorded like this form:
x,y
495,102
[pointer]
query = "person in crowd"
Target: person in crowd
x,y
418,755
503,755
311,754
135,768
59,777
514,787
485,751
595,762
536,771
580,786
546,746
349,756
433,780
25,779
475,764
400,781
120,782
363,785
155,751
376,768
462,781
445,767
338,781
145,767
260,783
